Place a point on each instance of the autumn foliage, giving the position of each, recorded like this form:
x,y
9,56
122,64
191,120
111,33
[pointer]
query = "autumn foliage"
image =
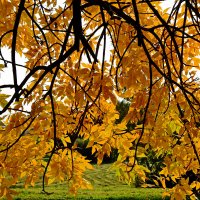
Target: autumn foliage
x,y
82,57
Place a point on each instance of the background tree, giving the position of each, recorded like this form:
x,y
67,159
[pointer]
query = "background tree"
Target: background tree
x,y
81,56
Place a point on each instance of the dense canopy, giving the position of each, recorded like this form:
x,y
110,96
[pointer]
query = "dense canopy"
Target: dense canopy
x,y
82,58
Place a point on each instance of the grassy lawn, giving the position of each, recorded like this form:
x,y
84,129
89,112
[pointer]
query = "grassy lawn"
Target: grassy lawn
x,y
106,186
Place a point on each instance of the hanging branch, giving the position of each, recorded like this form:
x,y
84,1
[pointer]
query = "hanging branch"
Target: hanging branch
x,y
13,52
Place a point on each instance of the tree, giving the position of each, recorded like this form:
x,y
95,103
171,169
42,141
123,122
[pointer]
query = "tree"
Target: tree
x,y
82,56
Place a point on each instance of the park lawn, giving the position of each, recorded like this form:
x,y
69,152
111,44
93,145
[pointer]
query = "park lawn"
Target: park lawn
x,y
106,186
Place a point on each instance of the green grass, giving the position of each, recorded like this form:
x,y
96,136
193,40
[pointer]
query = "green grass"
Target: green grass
x,y
106,186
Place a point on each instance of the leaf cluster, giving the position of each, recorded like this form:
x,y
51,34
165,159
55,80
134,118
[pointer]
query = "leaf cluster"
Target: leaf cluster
x,y
82,56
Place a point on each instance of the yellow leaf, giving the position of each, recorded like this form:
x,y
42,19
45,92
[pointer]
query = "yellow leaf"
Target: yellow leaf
x,y
174,178
1,67
162,180
67,139
3,100
90,144
100,158
23,174
164,171
94,149
156,182
50,180
141,155
34,162
94,128
107,148
165,194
